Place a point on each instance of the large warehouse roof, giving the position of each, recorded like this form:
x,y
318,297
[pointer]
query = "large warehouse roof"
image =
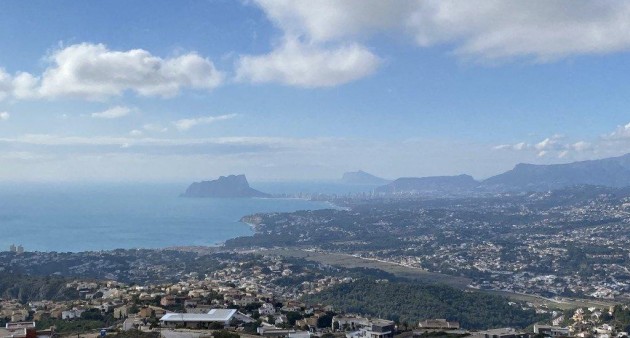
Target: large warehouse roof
x,y
214,315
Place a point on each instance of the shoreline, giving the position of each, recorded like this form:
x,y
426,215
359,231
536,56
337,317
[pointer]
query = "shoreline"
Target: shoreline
x,y
218,244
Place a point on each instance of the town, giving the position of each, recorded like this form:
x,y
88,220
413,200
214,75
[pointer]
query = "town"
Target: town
x,y
247,294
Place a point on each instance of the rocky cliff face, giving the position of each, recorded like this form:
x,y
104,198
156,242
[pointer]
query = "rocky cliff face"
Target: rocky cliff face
x,y
232,186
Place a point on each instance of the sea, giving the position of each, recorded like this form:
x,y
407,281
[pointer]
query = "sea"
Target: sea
x,y
92,217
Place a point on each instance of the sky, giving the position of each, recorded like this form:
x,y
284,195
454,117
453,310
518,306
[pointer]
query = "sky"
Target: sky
x,y
175,91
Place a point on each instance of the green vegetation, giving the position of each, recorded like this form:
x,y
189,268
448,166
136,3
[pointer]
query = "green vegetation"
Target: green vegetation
x,y
225,334
135,334
621,318
70,326
29,288
405,301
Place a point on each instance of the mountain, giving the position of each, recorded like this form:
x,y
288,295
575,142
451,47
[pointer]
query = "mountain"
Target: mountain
x,y
362,178
610,172
430,185
225,187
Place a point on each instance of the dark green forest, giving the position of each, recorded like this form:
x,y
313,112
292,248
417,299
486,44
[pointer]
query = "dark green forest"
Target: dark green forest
x,y
410,302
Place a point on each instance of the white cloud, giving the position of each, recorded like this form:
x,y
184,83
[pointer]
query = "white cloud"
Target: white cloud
x,y
93,71
113,113
185,124
544,30
326,20
581,146
6,86
614,143
545,144
620,132
136,133
485,29
153,127
4,116
25,86
308,65
520,146
502,147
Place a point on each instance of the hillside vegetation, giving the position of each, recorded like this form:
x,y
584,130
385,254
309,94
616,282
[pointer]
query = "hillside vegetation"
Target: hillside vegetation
x,y
411,302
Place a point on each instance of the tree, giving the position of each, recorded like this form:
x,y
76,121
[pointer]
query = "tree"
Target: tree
x,y
216,326
225,334
325,320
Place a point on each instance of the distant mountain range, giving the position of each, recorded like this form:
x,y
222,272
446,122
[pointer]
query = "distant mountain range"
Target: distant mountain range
x,y
608,172
362,178
430,185
232,186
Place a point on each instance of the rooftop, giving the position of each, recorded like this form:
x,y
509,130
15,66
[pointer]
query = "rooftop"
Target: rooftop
x,y
214,315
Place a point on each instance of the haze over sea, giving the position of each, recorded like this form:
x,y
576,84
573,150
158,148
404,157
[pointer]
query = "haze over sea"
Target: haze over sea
x,y
73,217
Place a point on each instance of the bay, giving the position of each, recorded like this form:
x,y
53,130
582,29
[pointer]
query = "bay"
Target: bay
x,y
89,217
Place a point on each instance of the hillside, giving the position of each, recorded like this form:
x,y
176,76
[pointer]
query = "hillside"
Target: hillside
x,y
610,172
411,302
362,178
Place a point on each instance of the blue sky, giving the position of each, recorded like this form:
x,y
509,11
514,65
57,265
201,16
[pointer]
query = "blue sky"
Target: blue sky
x,y
295,90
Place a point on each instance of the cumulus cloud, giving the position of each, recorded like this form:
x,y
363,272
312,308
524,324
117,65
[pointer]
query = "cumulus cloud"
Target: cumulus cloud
x,y
544,30
613,143
486,29
308,65
6,86
185,124
327,20
620,133
4,116
112,113
93,71
550,143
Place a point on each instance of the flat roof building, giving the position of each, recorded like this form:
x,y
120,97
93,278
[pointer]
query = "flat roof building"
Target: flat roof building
x,y
198,320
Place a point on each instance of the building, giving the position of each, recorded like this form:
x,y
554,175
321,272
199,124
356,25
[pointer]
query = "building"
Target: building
x,y
168,301
272,331
500,333
376,328
438,324
121,312
132,324
267,309
72,314
348,323
551,331
23,330
197,320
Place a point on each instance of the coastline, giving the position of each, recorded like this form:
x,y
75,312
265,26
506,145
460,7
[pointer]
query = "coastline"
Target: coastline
x,y
109,217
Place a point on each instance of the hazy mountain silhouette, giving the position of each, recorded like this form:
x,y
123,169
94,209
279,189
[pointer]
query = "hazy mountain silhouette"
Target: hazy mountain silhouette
x,y
361,177
610,172
225,187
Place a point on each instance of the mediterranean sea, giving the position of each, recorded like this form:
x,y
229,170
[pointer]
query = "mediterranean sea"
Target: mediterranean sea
x,y
75,217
